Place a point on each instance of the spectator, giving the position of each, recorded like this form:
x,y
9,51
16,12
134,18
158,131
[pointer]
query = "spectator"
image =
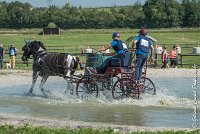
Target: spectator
x,y
12,54
173,57
1,56
164,57
143,44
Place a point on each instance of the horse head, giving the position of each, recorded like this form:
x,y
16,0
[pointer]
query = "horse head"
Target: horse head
x,y
32,48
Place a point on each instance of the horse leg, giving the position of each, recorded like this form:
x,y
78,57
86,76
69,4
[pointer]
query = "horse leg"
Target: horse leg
x,y
34,79
69,87
44,79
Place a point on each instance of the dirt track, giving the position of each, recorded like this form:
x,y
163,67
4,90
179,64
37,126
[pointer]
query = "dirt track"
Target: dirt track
x,y
20,121
171,72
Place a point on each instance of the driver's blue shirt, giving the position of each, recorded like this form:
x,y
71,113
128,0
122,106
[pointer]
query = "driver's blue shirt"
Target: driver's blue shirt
x,y
120,51
139,51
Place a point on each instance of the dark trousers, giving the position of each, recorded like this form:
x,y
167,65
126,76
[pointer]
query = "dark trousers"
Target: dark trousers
x,y
173,62
140,61
102,69
1,63
164,64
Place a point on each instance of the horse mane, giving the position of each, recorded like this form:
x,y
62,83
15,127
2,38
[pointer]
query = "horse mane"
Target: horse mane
x,y
37,44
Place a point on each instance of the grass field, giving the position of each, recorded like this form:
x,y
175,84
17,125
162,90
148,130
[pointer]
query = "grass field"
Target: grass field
x,y
74,40
8,129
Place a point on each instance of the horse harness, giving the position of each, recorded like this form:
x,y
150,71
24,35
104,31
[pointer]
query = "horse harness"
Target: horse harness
x,y
60,61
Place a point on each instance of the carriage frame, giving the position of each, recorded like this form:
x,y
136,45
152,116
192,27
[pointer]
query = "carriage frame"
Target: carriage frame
x,y
119,80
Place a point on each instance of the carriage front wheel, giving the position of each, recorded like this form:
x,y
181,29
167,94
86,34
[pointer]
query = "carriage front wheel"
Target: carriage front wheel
x,y
87,87
147,86
125,88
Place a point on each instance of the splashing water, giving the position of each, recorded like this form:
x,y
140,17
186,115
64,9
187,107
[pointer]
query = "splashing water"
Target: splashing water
x,y
170,100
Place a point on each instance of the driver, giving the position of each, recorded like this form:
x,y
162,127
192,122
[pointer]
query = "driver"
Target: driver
x,y
119,49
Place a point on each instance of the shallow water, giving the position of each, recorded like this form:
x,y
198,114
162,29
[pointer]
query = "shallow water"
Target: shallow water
x,y
171,107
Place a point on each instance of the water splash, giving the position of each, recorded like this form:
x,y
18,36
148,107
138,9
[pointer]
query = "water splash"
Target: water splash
x,y
164,98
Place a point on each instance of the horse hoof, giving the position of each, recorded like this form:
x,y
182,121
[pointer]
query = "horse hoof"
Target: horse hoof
x,y
46,92
31,94
71,93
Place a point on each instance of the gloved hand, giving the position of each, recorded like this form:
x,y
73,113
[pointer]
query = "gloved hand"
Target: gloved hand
x,y
81,67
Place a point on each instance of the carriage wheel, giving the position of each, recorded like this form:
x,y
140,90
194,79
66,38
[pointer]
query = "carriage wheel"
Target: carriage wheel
x,y
87,87
125,88
147,86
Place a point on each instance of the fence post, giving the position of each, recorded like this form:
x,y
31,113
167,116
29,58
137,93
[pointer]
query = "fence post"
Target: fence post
x,y
156,60
181,60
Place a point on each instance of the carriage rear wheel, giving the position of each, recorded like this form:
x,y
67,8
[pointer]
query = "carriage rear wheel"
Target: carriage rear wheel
x,y
87,87
125,88
147,86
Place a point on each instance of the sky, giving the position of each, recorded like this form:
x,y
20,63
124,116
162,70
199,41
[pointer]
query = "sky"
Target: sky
x,y
83,3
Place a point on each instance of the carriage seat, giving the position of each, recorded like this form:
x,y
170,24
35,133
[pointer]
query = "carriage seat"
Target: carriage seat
x,y
124,60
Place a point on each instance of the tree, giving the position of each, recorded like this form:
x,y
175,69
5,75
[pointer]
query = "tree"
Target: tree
x,y
18,14
3,14
155,15
191,16
134,16
172,10
36,20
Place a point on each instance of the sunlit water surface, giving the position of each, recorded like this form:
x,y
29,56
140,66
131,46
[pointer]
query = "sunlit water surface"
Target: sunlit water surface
x,y
171,107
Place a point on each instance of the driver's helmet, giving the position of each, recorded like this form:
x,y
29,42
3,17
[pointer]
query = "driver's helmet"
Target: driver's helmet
x,y
143,31
116,34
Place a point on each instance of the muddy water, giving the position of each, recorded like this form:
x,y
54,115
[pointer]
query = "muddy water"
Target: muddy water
x,y
171,107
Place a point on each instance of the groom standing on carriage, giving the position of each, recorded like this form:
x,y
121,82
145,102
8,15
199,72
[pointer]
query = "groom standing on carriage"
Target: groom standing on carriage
x,y
143,45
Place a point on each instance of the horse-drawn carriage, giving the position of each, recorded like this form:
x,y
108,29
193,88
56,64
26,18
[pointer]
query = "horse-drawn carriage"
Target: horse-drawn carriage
x,y
118,80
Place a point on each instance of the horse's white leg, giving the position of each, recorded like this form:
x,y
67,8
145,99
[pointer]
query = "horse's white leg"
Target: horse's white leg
x,y
34,79
68,73
69,87
69,62
44,79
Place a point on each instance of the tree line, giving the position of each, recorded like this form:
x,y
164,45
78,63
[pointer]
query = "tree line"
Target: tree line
x,y
151,14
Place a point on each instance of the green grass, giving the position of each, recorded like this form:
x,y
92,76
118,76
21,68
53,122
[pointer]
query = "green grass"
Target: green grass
x,y
9,129
74,40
